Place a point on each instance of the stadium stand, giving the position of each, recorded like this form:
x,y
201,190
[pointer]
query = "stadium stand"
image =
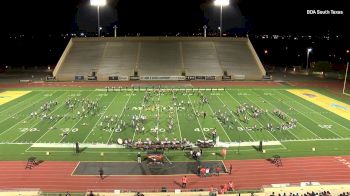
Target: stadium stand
x,y
118,59
238,59
200,59
159,57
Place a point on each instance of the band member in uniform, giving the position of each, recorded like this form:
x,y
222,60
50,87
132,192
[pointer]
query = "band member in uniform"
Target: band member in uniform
x,y
138,157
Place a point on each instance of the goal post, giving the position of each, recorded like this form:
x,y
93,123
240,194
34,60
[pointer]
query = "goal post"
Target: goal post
x,y
345,90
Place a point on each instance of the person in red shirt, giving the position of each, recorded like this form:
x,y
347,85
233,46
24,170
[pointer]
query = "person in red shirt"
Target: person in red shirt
x,y
202,172
184,182
225,187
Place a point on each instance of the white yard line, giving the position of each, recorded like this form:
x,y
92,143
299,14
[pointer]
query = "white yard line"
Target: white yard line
x,y
55,124
99,119
196,117
256,119
178,122
306,140
307,116
120,116
306,127
71,128
29,105
320,113
66,90
309,140
273,116
41,120
112,152
158,115
234,117
17,123
219,123
133,137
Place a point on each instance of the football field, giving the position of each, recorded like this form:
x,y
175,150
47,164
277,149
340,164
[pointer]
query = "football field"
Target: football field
x,y
95,116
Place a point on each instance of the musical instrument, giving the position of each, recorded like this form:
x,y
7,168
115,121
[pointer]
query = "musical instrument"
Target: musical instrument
x,y
155,158
205,144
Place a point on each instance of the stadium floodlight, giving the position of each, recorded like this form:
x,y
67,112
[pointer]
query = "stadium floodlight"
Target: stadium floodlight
x,y
307,58
98,3
221,3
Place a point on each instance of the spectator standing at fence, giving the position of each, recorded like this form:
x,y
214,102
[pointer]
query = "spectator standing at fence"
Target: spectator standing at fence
x,y
184,182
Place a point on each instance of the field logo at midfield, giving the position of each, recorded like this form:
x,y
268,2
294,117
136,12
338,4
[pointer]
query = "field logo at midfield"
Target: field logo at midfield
x,y
8,96
337,107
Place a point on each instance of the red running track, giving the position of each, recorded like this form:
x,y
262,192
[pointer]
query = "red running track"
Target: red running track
x,y
247,174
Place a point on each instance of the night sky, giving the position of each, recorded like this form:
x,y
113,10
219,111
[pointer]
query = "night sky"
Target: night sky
x,y
34,32
153,17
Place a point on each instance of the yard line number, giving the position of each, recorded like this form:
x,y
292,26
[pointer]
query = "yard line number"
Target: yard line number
x,y
204,129
325,126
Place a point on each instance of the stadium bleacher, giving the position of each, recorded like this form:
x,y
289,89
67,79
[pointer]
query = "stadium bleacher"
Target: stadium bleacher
x,y
207,58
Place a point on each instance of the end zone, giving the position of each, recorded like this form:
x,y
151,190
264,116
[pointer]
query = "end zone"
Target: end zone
x,y
8,96
332,105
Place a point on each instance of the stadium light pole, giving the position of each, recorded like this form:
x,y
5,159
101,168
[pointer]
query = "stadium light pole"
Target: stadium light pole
x,y
115,30
221,3
98,3
346,71
307,58
345,77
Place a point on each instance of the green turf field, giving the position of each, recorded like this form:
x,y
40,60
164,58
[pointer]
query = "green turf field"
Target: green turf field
x,y
27,127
